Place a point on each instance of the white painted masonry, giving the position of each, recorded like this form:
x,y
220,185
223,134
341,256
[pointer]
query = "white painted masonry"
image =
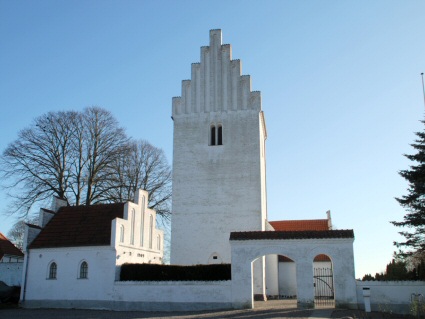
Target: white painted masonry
x,y
11,273
390,296
173,296
146,296
287,279
302,252
218,188
140,238
67,286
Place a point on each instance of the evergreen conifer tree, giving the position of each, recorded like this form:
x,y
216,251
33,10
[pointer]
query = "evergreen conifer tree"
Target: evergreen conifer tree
x,y
414,201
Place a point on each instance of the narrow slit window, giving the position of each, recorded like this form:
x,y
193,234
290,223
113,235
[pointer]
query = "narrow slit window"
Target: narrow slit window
x,y
121,233
212,135
158,242
133,218
142,221
150,231
220,135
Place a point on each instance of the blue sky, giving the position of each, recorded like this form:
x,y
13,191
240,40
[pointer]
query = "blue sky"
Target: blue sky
x,y
340,83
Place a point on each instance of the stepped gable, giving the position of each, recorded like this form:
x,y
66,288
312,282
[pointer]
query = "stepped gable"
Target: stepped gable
x,y
300,225
75,226
217,83
276,235
7,248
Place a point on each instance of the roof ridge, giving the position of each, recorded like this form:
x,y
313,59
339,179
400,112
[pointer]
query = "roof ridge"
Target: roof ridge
x,y
301,234
295,220
82,225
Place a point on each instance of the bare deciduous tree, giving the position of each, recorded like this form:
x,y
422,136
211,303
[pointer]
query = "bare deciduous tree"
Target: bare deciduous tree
x,y
85,158
37,164
143,166
16,233
105,142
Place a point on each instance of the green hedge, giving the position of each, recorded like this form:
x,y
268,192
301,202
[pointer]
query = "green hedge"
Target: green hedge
x,y
154,272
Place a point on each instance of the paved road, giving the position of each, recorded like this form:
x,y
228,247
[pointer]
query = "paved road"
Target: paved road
x,y
101,314
273,309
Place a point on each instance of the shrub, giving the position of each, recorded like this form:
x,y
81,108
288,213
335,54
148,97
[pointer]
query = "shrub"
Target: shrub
x,y
154,272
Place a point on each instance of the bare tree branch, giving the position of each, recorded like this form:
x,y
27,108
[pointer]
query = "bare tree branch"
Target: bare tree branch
x,y
84,158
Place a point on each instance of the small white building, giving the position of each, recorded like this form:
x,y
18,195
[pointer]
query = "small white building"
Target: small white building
x,y
76,251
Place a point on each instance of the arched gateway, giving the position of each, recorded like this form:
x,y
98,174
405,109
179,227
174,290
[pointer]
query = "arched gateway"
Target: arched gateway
x,y
302,247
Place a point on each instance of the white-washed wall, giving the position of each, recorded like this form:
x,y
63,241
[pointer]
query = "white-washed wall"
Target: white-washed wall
x,y
216,189
68,285
302,252
389,296
145,296
11,273
173,296
287,279
272,275
133,240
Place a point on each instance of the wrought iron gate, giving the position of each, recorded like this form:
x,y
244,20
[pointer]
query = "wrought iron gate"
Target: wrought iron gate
x,y
323,287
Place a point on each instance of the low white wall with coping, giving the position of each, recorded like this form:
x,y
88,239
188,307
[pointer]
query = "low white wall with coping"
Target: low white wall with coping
x,y
11,273
150,296
389,296
172,295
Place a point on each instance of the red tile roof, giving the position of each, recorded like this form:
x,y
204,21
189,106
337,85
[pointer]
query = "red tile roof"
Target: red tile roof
x,y
7,248
320,257
298,225
263,235
284,259
75,226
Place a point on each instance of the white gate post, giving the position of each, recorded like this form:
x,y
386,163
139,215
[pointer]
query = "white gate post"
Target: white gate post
x,y
242,290
305,283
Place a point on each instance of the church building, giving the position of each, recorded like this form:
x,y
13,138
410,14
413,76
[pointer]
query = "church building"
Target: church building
x,y
219,215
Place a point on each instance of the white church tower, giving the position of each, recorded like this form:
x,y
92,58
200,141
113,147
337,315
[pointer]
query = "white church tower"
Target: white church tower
x,y
219,166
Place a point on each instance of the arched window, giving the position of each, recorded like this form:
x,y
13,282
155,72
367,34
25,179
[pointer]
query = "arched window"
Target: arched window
x,y
220,135
53,270
133,220
84,270
212,135
142,221
158,242
122,233
150,230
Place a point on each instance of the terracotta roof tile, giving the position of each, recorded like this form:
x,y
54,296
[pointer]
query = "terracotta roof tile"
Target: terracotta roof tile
x,y
284,259
298,225
320,257
263,235
7,248
74,226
